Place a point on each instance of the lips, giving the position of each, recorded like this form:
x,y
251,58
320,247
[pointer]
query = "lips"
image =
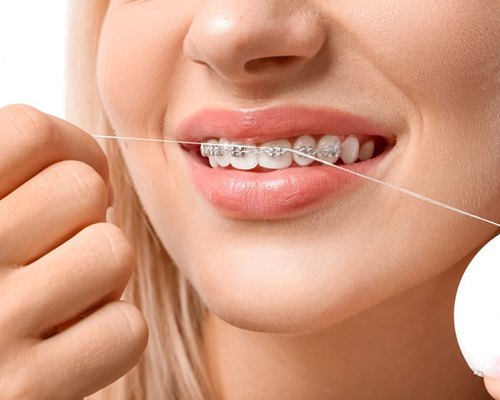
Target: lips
x,y
276,123
276,193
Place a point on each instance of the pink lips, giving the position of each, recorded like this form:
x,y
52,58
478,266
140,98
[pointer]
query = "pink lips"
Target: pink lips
x,y
279,193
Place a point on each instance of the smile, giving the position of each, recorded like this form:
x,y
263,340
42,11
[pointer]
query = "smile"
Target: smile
x,y
278,155
254,164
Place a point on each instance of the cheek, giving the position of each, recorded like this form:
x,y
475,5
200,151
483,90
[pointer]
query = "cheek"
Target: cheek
x,y
435,51
137,59
139,52
444,57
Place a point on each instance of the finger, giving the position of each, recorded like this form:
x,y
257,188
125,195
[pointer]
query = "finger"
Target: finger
x,y
493,387
31,141
49,209
90,269
91,354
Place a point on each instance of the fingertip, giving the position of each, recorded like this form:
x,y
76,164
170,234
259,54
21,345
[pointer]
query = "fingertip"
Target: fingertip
x,y
493,387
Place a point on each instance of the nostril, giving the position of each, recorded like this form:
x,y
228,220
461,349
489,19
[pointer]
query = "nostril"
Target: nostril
x,y
260,64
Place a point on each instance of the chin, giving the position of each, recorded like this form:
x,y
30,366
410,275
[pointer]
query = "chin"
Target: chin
x,y
266,294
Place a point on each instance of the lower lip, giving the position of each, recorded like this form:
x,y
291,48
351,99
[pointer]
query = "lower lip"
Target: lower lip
x,y
275,194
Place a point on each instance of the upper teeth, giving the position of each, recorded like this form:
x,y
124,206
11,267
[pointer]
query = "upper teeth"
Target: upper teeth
x,y
274,154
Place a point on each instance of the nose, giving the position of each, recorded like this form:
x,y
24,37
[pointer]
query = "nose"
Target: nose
x,y
243,40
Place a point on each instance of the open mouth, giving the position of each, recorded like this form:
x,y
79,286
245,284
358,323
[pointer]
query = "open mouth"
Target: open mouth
x,y
287,153
257,164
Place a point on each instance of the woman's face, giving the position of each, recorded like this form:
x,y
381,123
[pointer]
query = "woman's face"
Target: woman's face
x,y
300,248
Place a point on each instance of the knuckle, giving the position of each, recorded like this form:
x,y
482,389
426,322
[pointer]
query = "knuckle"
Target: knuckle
x,y
28,125
84,182
117,247
132,322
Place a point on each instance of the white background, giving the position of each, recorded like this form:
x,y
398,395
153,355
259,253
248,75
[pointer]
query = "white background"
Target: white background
x,y
32,55
32,47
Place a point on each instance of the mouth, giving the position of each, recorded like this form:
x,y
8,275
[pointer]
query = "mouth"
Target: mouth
x,y
243,166
277,154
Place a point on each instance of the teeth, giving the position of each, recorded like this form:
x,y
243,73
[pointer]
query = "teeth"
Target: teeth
x,y
274,154
212,158
224,160
350,150
242,157
305,144
329,148
366,150
275,157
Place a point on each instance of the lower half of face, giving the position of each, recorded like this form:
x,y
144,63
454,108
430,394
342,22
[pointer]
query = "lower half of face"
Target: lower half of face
x,y
272,245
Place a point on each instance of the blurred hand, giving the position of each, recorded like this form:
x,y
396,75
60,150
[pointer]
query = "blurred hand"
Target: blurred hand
x,y
493,387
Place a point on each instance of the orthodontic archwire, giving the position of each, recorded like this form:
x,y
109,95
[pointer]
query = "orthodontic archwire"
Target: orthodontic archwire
x,y
274,149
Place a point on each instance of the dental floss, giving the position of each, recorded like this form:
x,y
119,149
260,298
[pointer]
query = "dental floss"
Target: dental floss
x,y
370,178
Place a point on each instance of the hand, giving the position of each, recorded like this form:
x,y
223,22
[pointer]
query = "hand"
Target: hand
x,y
493,387
64,334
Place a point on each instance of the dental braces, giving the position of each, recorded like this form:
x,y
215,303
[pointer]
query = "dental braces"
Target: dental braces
x,y
275,151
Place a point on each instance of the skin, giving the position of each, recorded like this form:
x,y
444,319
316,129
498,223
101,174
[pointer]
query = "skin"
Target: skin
x,y
370,276
64,334
361,289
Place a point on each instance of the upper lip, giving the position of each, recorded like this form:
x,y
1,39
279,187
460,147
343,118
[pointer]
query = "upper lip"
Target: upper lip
x,y
260,125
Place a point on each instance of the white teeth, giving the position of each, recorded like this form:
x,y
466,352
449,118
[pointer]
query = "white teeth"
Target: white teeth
x,y
224,160
284,160
366,150
213,159
247,160
349,150
305,144
274,154
329,148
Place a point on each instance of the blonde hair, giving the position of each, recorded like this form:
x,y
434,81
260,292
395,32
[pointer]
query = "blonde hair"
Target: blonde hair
x,y
172,365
